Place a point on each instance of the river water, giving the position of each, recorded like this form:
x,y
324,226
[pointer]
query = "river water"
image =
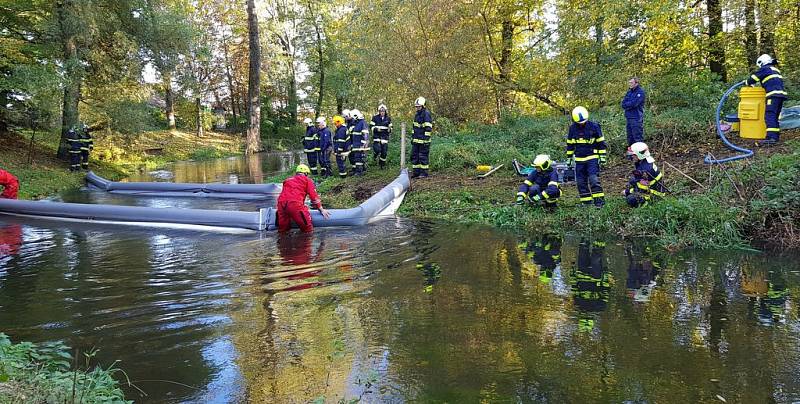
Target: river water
x,y
400,310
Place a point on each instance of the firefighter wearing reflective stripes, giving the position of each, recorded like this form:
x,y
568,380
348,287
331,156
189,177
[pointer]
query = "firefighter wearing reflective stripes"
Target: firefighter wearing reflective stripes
x,y
341,145
310,145
87,145
587,147
647,181
325,145
360,137
541,186
771,80
75,144
591,283
381,128
421,139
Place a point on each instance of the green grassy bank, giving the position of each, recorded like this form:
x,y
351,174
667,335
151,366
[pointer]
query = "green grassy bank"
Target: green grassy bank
x,y
48,373
115,156
736,205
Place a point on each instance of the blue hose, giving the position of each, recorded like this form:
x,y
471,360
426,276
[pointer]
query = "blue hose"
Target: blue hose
x,y
747,152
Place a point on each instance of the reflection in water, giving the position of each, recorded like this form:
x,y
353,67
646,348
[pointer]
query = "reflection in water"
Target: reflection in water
x,y
407,311
10,240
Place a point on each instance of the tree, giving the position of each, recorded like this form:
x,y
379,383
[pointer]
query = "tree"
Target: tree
x,y
254,82
716,44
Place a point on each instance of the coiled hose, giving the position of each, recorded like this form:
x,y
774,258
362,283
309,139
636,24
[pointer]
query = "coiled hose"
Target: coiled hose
x,y
747,152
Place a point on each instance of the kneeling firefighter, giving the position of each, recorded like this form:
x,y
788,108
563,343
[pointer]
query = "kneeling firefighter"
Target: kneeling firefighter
x,y
646,181
541,186
291,201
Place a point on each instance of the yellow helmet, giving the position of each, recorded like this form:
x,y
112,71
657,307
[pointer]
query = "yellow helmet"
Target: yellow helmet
x,y
542,162
302,169
580,114
338,120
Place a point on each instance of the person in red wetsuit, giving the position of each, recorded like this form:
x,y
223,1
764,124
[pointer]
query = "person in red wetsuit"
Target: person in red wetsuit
x,y
9,183
291,202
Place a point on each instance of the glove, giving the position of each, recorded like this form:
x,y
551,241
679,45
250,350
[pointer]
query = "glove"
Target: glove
x,y
536,198
602,160
520,200
571,161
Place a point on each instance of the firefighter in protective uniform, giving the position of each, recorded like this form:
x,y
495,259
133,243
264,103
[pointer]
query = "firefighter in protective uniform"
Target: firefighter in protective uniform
x,y
647,180
324,147
87,145
586,146
771,80
10,185
360,137
421,139
542,185
75,144
291,202
310,145
341,144
381,127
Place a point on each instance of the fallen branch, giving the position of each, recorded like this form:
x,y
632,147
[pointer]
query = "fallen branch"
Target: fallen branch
x,y
685,175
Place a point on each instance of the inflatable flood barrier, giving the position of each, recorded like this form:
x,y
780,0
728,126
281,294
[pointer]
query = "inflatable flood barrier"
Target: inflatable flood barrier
x,y
383,203
178,189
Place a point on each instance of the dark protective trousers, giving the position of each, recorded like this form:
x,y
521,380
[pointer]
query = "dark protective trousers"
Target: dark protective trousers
x,y
341,165
419,158
312,161
296,212
380,149
771,115
74,160
635,130
587,177
85,159
324,158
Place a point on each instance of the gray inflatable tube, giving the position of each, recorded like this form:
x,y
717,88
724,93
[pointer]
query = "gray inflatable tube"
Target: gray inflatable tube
x,y
178,189
384,203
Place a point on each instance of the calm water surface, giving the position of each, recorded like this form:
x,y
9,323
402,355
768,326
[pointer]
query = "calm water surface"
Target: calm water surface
x,y
400,310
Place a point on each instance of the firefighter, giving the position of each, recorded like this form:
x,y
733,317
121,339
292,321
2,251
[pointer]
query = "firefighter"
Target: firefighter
x,y
291,202
541,186
633,104
586,147
421,139
591,284
311,144
87,145
647,181
10,185
325,145
770,78
341,145
381,127
360,136
75,144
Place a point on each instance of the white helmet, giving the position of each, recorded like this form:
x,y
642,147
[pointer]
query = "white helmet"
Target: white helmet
x,y
580,114
346,113
307,121
542,161
382,107
357,114
640,150
764,60
420,102
321,121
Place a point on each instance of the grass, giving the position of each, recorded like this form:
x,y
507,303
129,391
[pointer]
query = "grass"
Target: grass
x,y
115,156
48,373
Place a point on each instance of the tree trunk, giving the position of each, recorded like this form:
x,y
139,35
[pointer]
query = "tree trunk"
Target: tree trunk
x,y
292,99
199,116
254,84
599,38
507,39
750,39
231,86
339,104
716,53
320,60
169,100
72,70
766,13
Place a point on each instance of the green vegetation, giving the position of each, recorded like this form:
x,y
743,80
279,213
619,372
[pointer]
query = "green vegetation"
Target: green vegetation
x,y
48,373
115,156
